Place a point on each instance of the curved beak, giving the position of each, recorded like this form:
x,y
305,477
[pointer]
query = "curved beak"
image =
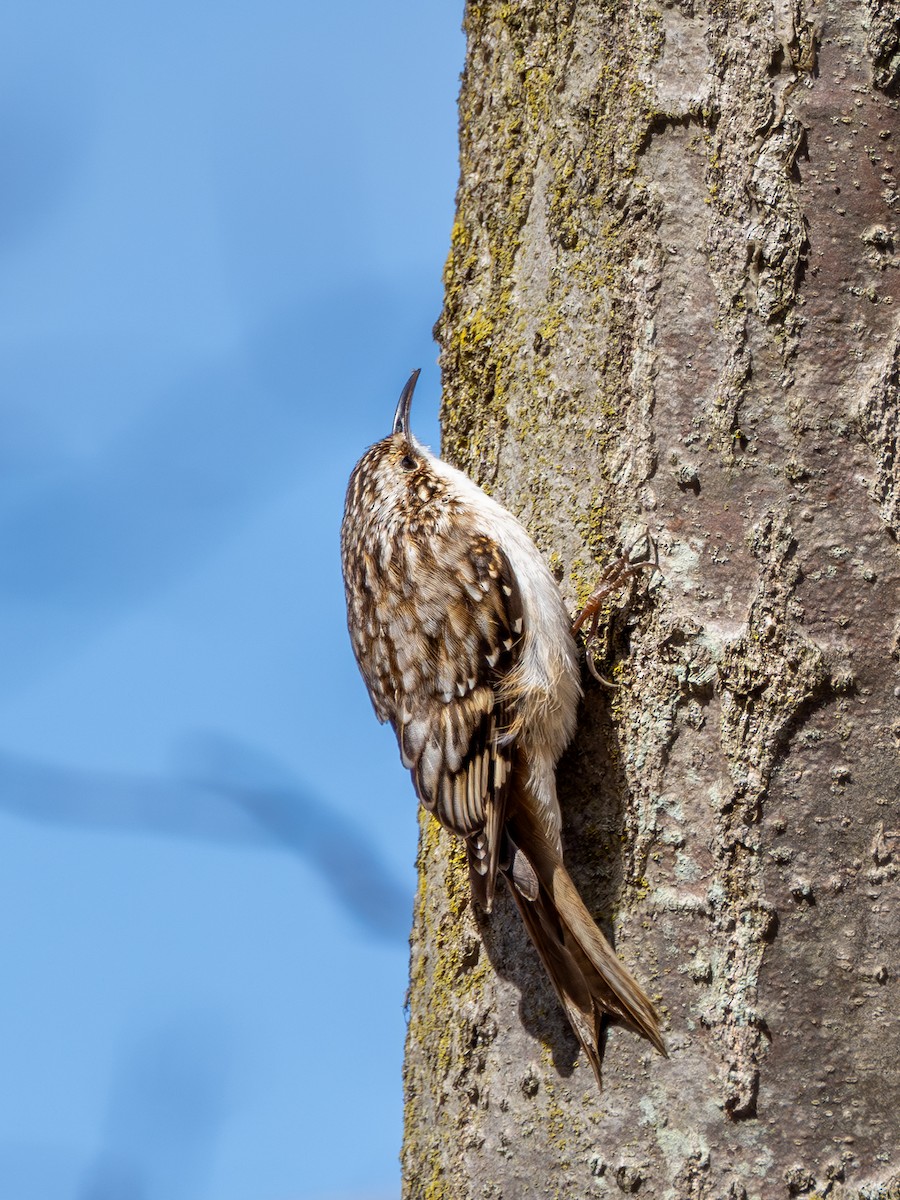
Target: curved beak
x,y
401,416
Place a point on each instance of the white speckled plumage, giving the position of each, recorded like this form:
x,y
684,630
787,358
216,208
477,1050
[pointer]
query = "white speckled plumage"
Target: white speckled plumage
x,y
466,647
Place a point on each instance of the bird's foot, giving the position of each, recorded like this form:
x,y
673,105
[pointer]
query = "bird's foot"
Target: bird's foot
x,y
613,577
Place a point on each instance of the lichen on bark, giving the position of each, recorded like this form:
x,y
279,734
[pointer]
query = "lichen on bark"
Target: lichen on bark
x,y
671,302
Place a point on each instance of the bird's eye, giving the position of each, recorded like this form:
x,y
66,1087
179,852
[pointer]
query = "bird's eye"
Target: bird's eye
x,y
407,462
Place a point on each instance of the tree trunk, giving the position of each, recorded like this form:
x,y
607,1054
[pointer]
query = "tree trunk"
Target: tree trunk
x,y
672,302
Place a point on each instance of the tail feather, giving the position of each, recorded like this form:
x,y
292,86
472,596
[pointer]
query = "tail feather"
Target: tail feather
x,y
568,981
586,974
613,986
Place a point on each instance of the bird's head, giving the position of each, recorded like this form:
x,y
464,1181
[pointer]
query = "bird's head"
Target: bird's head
x,y
398,471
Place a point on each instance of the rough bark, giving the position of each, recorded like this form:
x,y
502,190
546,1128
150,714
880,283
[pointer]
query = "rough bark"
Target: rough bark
x,y
672,301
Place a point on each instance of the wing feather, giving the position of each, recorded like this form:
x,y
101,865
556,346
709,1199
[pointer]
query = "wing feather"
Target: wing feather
x,y
451,724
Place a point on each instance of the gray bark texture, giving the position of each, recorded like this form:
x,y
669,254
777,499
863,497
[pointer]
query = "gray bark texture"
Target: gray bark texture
x,y
672,302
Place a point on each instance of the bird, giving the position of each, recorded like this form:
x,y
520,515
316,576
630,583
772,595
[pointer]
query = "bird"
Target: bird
x,y
465,644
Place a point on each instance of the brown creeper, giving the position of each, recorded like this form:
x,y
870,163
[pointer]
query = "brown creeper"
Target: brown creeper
x,y
466,647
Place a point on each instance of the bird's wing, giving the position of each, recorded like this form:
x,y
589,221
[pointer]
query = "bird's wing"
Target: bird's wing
x,y
452,728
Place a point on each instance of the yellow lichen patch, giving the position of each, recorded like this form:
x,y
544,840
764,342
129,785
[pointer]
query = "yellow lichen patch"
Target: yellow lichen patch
x,y
446,963
474,330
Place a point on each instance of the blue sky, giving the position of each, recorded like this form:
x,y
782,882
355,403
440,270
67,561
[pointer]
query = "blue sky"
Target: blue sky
x,y
222,230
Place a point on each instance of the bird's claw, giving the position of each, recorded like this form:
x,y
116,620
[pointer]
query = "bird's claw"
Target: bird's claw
x,y
611,578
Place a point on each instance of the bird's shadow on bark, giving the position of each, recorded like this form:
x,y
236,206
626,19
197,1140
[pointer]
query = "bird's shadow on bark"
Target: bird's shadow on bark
x,y
591,791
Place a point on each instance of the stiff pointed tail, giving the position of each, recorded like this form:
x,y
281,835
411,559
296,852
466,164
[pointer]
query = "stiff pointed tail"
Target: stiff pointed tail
x,y
588,977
